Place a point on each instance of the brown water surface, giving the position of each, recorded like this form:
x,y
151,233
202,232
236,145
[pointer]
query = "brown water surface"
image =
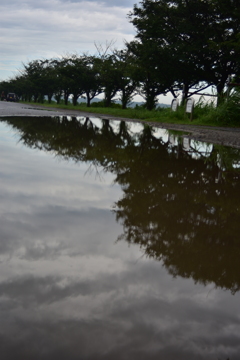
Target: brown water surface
x,y
117,241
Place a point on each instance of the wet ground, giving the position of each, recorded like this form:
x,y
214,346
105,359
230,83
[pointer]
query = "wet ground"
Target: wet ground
x,y
216,135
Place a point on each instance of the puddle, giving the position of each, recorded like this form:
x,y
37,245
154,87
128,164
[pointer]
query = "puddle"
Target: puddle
x,y
117,239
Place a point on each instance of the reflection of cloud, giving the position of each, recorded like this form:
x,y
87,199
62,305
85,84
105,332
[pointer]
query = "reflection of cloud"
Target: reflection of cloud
x,y
115,315
67,290
41,250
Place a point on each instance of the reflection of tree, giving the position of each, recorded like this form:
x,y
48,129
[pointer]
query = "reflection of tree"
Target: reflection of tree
x,y
181,206
177,211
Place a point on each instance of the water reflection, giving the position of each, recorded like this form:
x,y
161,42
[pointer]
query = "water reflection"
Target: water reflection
x,y
180,198
68,288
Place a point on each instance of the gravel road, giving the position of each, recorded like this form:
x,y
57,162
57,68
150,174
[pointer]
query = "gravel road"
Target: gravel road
x,y
215,135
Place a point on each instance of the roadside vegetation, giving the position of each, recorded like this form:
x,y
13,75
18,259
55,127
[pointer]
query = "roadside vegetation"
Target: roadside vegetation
x,y
185,48
204,113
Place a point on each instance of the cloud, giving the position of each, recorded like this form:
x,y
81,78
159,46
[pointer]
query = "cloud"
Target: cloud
x,y
33,30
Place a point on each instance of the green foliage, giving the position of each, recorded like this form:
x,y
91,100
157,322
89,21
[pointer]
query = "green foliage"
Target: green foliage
x,y
227,113
187,42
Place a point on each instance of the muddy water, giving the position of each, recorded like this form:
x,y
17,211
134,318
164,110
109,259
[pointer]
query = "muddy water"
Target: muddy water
x,y
117,241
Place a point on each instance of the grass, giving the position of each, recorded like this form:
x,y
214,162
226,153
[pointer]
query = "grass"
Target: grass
x,y
227,114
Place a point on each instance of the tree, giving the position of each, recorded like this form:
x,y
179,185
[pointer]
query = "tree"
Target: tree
x,y
201,36
128,80
21,85
91,80
152,71
70,70
33,71
110,77
50,79
110,74
78,75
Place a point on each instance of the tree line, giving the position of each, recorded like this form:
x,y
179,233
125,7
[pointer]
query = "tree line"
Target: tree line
x,y
182,47
75,76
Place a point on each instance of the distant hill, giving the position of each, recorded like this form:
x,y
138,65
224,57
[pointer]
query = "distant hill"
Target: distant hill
x,y
132,104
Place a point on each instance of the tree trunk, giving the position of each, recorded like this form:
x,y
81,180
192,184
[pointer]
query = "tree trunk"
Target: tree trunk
x,y
124,99
220,94
74,99
88,100
66,98
50,98
184,93
151,101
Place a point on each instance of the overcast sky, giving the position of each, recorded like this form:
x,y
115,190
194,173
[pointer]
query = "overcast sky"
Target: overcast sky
x,y
33,29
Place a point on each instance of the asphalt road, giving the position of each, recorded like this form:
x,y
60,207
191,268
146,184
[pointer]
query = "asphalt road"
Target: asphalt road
x,y
17,109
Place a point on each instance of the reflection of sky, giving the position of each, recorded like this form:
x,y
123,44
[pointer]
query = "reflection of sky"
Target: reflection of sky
x,y
68,290
161,133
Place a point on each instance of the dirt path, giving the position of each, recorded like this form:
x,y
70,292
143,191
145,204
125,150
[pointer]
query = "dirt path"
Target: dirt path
x,y
216,135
